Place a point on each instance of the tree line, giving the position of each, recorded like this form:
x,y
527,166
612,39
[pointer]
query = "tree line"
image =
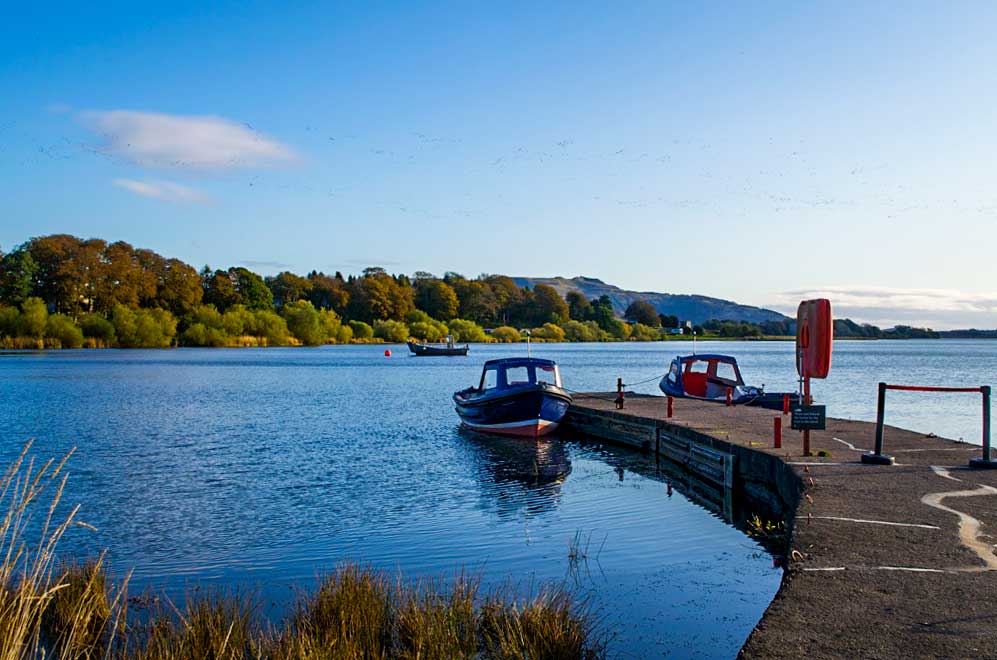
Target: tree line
x,y
65,291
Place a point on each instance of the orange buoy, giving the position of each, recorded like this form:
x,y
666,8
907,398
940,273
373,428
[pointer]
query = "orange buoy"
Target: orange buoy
x,y
387,353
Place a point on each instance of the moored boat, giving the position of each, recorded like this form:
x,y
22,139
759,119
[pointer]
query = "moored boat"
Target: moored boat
x,y
429,350
709,377
515,396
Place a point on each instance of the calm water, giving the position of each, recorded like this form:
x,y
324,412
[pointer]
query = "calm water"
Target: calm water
x,y
264,467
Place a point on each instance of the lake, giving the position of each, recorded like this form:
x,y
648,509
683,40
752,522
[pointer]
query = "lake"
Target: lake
x,y
263,467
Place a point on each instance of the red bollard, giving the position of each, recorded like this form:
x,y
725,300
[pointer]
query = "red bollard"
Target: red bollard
x,y
619,394
785,404
671,406
777,432
730,396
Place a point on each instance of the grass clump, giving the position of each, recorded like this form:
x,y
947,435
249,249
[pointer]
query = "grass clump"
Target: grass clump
x,y
550,626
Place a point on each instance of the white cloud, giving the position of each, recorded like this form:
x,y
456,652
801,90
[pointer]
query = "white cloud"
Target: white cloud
x,y
166,191
887,306
200,142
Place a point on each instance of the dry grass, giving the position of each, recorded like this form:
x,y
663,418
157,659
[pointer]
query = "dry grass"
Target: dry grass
x,y
70,611
550,626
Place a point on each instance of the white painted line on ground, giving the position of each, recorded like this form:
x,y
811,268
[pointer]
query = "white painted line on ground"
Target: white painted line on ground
x,y
849,445
877,522
911,451
943,472
912,569
969,527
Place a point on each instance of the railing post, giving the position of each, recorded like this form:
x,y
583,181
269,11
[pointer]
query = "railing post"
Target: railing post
x,y
877,457
619,394
985,462
671,406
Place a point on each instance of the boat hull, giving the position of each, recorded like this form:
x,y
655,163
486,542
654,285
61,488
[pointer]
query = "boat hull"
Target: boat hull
x,y
770,400
422,350
531,411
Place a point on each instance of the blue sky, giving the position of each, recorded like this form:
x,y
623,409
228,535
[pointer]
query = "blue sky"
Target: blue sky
x,y
762,153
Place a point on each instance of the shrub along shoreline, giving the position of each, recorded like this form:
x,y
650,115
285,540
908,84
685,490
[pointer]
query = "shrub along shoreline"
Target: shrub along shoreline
x,y
50,607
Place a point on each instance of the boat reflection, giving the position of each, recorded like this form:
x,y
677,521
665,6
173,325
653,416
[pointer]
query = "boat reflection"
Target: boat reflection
x,y
520,475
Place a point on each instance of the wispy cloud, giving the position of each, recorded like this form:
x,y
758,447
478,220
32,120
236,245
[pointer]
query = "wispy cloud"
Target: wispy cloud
x,y
184,141
166,191
937,308
264,265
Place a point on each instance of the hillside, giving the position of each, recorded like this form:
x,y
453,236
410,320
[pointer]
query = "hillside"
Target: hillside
x,y
689,307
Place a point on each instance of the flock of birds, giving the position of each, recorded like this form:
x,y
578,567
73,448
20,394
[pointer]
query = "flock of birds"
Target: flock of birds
x,y
686,174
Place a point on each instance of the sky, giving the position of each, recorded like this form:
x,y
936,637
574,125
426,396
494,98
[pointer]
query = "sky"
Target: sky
x,y
760,152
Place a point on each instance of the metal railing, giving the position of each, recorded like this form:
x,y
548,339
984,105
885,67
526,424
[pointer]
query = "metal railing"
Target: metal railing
x,y
877,457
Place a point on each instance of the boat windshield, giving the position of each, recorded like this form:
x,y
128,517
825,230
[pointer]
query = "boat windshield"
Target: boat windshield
x,y
501,376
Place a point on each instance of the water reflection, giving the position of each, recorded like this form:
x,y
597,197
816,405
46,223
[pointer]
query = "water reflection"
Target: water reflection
x,y
519,475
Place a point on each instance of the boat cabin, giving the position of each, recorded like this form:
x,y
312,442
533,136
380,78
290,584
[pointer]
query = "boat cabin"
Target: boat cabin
x,y
705,376
507,373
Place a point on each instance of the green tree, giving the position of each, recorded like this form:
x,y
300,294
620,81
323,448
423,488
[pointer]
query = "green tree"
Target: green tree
x,y
436,298
143,328
270,327
288,287
641,311
10,321
98,329
466,331
304,323
254,292
361,330
549,332
34,317
506,334
17,276
61,328
391,331
579,308
578,331
641,332
220,289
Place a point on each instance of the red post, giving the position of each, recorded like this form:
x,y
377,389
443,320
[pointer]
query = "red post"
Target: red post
x,y
806,401
785,404
777,432
619,394
730,396
671,406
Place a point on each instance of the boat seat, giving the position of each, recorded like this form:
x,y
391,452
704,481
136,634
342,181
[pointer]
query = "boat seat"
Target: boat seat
x,y
694,383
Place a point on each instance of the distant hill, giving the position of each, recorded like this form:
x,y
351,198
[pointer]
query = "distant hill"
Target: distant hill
x,y
685,306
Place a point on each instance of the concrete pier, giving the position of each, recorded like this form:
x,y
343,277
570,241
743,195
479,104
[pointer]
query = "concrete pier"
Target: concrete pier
x,y
882,561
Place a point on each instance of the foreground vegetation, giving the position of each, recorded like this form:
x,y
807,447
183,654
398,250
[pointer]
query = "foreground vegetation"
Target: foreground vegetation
x,y
65,292
72,611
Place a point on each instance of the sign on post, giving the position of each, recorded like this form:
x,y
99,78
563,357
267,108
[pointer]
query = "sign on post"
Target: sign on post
x,y
809,418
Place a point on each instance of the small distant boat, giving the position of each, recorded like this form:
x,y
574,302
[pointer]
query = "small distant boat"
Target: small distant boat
x,y
430,350
709,376
516,396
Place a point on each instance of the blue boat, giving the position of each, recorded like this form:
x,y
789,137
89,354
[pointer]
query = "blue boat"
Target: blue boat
x,y
709,376
515,396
